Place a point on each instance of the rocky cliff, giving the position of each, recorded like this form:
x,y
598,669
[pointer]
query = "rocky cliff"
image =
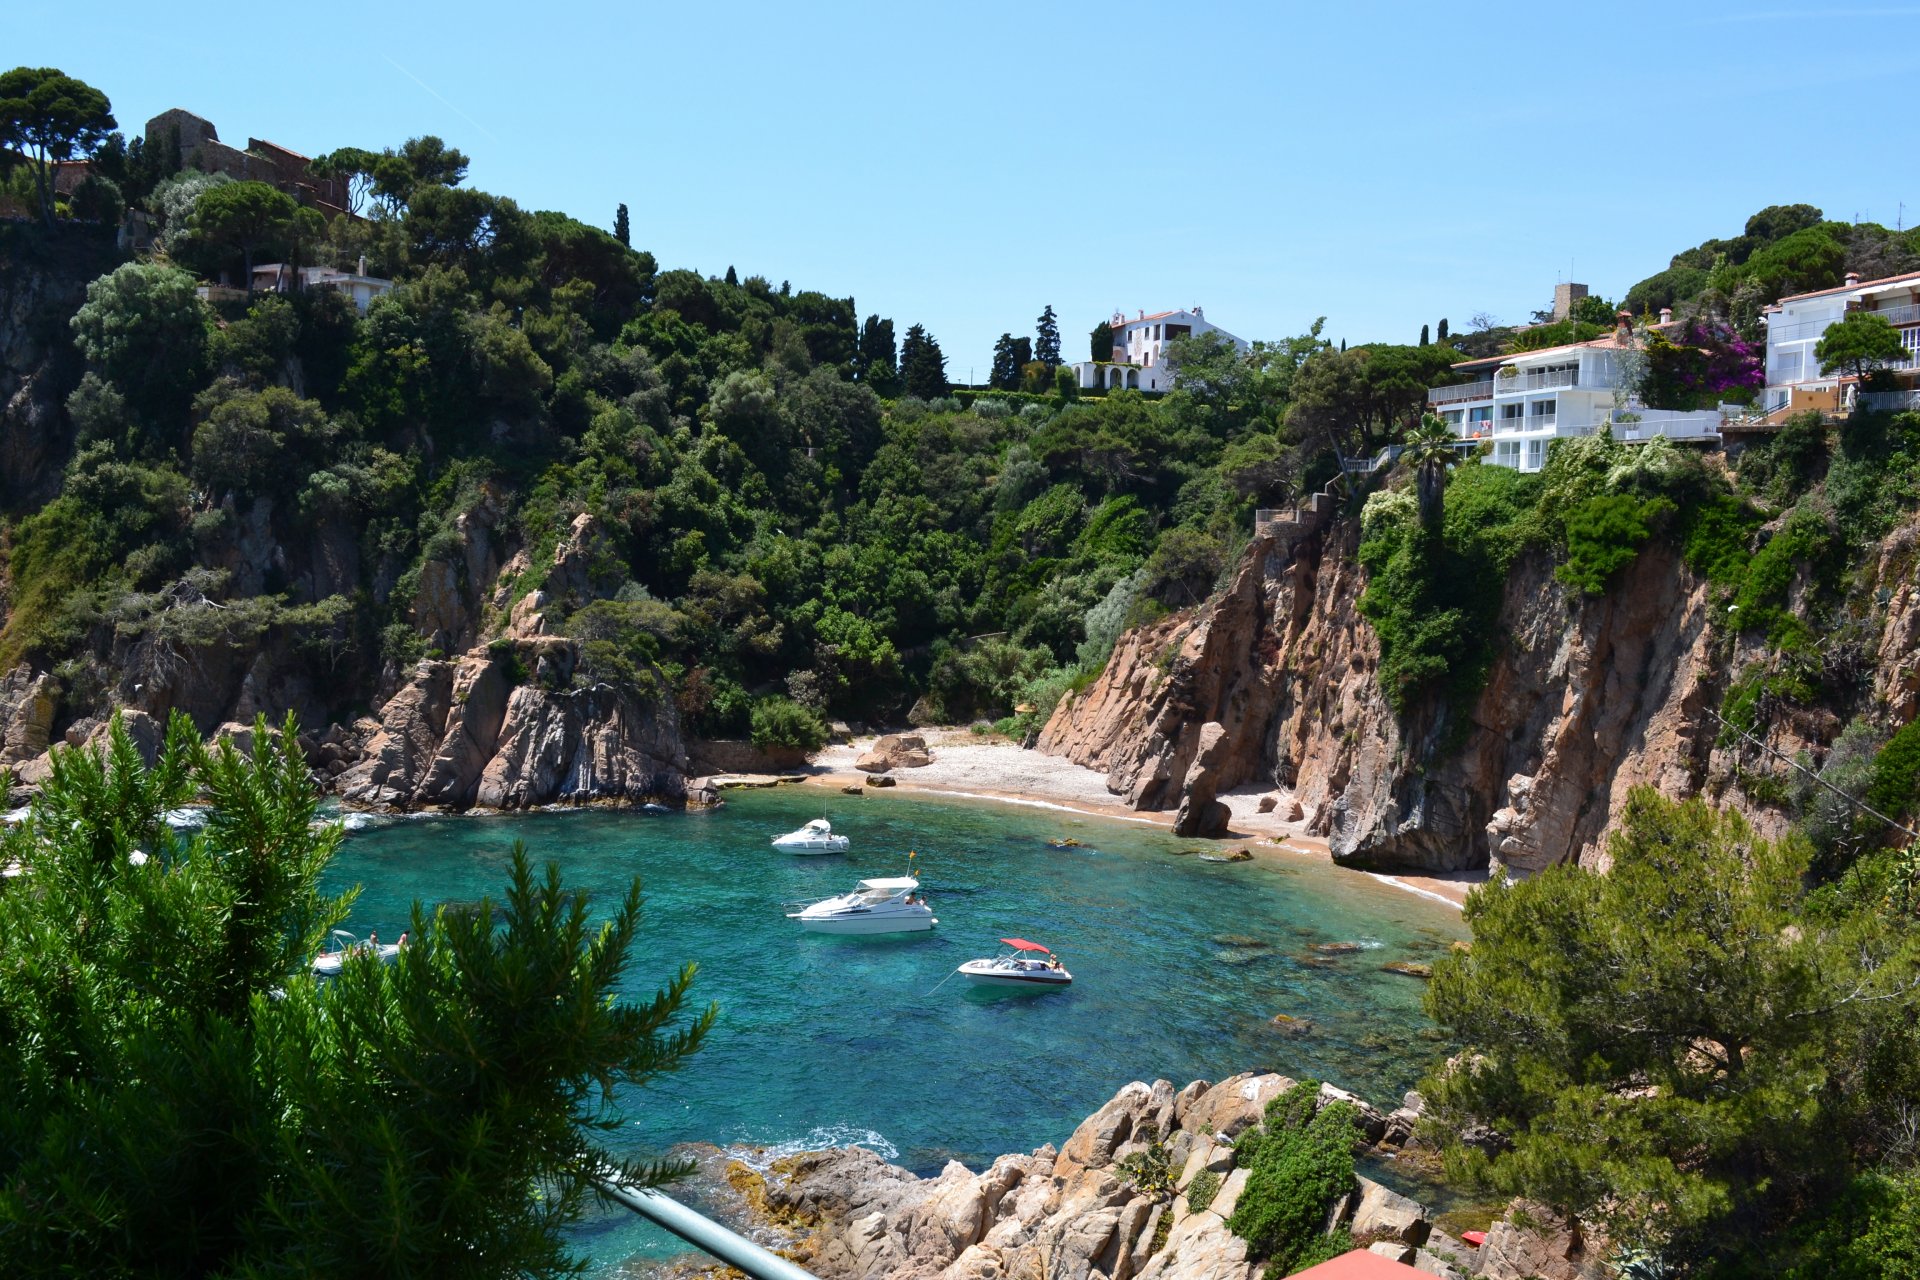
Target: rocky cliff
x,y
1273,683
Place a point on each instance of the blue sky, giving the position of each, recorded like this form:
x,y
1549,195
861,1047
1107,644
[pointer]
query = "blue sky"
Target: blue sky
x,y
962,166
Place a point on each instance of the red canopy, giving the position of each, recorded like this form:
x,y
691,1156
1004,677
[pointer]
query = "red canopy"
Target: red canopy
x,y
1021,944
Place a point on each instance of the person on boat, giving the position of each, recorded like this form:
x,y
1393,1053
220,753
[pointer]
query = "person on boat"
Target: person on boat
x,y
402,944
373,941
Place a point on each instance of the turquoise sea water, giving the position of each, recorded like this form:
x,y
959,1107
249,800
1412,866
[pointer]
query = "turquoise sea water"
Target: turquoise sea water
x,y
1179,966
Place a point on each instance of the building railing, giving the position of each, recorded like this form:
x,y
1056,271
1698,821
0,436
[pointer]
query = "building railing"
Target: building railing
x,y
1899,316
1482,390
703,1233
1890,401
1541,380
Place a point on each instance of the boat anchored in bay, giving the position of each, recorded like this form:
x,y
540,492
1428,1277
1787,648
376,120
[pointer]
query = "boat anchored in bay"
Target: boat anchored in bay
x,y
816,837
329,962
887,904
1020,967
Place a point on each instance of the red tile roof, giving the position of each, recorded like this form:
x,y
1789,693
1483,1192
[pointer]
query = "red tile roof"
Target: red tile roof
x,y
1359,1265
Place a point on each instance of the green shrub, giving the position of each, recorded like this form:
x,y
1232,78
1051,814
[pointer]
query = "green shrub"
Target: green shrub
x,y
1895,789
1761,602
1201,1191
780,722
1150,1170
1790,462
1718,534
1873,1231
1298,1163
1604,534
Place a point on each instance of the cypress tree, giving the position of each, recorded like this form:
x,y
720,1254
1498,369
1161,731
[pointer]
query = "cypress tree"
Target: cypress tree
x,y
1005,375
1443,328
622,231
733,277
1046,348
877,363
1423,335
922,368
1102,341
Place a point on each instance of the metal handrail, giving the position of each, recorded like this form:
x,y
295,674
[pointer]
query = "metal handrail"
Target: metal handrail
x,y
703,1233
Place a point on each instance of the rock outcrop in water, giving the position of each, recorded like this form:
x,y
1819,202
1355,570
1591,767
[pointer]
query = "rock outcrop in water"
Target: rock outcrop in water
x,y
1273,682
1074,1214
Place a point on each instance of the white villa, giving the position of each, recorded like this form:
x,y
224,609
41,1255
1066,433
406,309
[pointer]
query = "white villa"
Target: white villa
x,y
1520,402
1795,324
1138,346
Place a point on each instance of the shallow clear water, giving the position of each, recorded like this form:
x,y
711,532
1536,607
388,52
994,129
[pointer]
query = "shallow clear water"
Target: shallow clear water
x,y
1179,965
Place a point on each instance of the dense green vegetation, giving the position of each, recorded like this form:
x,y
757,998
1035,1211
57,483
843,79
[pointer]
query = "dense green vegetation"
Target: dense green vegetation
x,y
179,1097
1784,249
1693,1048
788,507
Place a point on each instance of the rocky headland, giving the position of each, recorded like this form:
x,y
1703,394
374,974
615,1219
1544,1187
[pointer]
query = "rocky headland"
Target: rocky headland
x,y
1075,1213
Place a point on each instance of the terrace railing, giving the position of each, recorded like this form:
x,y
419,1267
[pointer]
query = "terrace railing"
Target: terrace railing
x,y
1482,390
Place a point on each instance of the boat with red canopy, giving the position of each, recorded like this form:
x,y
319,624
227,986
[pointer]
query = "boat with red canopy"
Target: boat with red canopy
x,y
1028,965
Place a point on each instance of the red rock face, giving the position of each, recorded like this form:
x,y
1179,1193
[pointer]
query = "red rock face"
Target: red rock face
x,y
1588,698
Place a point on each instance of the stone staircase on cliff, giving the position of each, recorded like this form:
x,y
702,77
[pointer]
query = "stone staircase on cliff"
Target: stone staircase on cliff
x,y
1288,528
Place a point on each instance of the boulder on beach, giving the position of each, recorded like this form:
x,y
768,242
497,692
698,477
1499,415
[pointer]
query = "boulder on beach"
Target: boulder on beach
x,y
895,751
879,780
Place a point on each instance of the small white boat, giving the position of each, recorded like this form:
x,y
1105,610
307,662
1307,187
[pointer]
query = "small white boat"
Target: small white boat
x,y
887,905
1021,967
816,837
329,962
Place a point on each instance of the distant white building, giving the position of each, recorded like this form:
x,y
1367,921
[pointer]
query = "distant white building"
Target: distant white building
x,y
358,286
1795,325
1521,402
1139,350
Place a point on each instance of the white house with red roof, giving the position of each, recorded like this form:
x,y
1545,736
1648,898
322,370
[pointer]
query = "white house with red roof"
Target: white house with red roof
x,y
1139,349
1795,325
1520,403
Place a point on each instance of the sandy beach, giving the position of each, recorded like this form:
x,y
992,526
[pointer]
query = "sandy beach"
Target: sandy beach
x,y
990,768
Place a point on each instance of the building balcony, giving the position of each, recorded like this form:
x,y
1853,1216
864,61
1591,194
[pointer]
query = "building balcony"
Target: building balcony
x,y
1544,380
1482,390
1899,317
1641,425
1890,401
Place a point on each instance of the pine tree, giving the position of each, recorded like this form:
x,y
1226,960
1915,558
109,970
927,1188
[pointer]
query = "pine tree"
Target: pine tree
x,y
434,1115
622,231
922,368
1046,348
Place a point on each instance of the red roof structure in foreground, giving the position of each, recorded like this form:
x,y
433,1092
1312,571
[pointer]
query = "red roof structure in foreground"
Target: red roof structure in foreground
x,y
1359,1265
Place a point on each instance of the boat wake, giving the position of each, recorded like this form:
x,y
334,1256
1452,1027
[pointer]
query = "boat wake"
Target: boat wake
x,y
761,1158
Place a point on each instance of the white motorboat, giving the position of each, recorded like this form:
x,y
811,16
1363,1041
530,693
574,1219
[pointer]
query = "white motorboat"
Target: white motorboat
x,y
329,962
816,837
887,905
1024,966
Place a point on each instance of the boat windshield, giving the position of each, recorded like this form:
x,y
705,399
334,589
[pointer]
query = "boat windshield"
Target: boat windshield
x,y
874,897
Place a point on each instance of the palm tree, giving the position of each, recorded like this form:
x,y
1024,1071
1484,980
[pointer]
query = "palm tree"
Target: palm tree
x,y
1429,449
